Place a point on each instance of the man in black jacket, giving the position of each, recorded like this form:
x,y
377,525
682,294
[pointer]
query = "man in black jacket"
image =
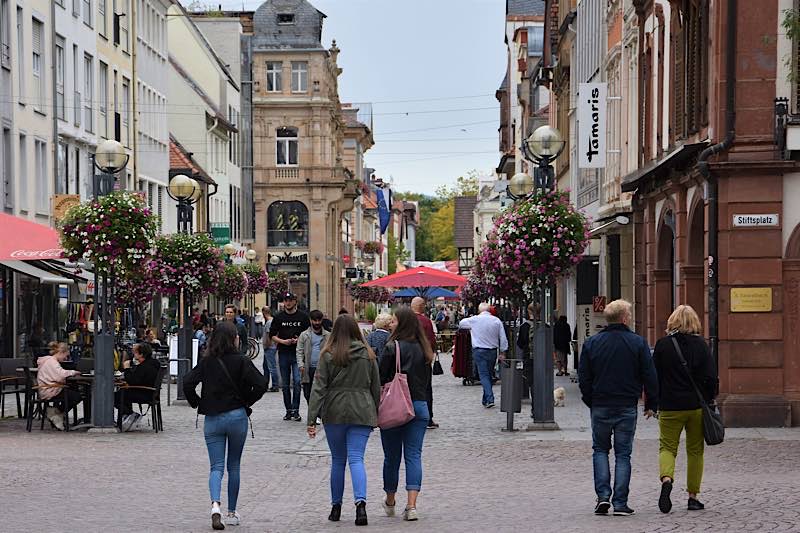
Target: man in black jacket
x,y
615,365
144,374
230,316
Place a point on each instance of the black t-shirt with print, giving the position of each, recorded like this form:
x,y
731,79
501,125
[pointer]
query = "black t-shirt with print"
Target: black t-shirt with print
x,y
286,326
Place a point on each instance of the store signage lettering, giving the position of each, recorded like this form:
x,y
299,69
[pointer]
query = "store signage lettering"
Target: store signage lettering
x,y
52,253
592,113
751,299
756,221
290,258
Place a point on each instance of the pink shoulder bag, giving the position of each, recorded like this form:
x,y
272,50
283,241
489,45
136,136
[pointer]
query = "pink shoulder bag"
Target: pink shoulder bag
x,y
396,407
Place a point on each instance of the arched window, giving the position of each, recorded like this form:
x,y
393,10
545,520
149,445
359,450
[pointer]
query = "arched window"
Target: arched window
x,y
286,147
287,224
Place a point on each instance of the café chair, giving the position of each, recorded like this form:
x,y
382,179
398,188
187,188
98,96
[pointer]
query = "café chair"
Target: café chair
x,y
11,382
85,365
38,406
154,405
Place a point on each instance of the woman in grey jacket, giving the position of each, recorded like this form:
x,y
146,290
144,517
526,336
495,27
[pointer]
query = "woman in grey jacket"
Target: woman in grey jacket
x,y
345,394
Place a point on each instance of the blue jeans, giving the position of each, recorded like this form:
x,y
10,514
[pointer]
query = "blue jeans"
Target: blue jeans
x,y
405,442
621,422
485,361
228,428
271,367
290,377
347,443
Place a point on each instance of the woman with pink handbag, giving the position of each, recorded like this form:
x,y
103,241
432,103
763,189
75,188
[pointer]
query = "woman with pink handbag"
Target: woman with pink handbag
x,y
408,352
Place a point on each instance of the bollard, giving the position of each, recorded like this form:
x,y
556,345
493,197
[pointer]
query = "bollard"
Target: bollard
x,y
511,390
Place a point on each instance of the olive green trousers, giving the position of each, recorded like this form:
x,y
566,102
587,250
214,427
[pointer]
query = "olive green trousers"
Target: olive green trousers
x,y
671,424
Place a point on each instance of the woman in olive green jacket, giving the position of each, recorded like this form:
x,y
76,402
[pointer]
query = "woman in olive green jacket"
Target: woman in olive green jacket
x,y
345,394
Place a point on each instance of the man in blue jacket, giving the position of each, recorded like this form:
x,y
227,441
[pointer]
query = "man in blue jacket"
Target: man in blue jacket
x,y
615,366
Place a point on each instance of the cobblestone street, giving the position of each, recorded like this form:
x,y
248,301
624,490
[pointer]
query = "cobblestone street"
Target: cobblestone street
x,y
476,476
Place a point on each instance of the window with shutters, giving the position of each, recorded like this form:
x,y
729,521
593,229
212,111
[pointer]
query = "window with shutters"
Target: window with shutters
x,y
287,224
61,67
37,70
690,45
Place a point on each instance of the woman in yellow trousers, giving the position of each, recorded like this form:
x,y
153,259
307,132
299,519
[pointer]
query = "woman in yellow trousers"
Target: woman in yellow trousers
x,y
679,406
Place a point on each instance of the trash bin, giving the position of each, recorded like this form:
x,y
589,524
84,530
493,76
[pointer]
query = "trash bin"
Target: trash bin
x,y
511,386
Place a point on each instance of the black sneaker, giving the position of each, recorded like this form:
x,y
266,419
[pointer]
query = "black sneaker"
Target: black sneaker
x,y
664,502
296,417
336,512
287,416
602,507
695,505
623,511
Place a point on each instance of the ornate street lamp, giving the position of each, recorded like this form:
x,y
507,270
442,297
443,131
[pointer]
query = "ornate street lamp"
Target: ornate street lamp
x,y
186,191
109,159
543,146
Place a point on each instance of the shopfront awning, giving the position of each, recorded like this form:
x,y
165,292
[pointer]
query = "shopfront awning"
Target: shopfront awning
x,y
35,272
674,160
24,240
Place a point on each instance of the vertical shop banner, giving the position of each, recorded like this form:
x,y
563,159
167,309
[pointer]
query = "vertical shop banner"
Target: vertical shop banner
x,y
384,208
592,114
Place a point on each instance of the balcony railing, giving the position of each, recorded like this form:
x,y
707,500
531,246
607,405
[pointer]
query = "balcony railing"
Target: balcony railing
x,y
287,173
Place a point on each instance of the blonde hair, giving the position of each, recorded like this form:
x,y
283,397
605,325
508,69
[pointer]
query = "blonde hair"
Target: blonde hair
x,y
383,321
616,311
684,319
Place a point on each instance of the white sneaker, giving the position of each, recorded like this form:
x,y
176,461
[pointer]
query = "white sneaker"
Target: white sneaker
x,y
410,514
388,509
56,417
233,519
216,517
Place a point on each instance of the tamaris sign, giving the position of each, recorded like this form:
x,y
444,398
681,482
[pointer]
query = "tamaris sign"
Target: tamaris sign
x,y
592,125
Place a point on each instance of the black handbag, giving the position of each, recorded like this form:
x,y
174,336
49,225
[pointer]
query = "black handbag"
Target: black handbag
x,y
437,367
713,428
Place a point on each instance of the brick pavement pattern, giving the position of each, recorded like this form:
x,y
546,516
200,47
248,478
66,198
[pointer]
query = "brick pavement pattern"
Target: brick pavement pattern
x,y
476,477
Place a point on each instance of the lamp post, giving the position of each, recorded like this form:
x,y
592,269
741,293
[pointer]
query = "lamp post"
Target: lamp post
x,y
109,159
274,261
186,191
251,255
543,146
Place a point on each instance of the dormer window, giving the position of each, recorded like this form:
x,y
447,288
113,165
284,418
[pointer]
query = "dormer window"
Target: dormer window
x,y
285,19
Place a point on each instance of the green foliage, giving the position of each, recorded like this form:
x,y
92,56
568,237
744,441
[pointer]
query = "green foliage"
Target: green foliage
x,y
397,253
791,24
442,229
371,312
465,186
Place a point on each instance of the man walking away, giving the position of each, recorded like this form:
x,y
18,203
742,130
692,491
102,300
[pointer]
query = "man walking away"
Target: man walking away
x,y
615,365
488,336
230,316
285,329
309,346
562,335
418,306
270,353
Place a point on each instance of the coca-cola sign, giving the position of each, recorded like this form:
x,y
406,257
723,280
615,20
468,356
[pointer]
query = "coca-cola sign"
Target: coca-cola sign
x,y
52,253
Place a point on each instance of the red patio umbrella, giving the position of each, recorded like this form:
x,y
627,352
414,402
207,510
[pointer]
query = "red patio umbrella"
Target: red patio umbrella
x,y
419,277
23,240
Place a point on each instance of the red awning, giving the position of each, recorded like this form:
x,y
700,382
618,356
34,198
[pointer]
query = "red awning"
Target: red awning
x,y
23,240
419,277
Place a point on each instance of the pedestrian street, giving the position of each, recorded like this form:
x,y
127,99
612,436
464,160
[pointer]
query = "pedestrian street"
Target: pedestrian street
x,y
476,476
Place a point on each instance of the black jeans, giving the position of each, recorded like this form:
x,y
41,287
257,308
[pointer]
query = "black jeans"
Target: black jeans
x,y
71,396
131,397
307,386
430,394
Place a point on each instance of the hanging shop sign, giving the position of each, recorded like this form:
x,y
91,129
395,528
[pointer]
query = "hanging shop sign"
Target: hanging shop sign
x,y
756,221
62,203
751,299
592,114
221,233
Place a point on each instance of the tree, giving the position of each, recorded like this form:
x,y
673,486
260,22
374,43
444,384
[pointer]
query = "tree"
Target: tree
x,y
465,186
397,253
441,228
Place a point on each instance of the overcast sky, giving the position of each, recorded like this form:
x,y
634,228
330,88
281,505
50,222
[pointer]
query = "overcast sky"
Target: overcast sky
x,y
447,56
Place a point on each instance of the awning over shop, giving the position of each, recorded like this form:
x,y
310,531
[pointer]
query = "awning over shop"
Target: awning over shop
x,y
42,275
23,240
674,160
59,266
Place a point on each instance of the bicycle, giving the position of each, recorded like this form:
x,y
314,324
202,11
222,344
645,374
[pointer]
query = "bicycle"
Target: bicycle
x,y
253,347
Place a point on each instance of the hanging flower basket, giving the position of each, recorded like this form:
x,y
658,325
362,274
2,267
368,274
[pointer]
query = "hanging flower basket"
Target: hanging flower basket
x,y
370,247
232,284
136,288
539,239
191,263
278,284
116,232
477,289
370,294
257,278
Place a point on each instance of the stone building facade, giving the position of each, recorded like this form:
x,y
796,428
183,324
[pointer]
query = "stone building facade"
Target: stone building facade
x,y
300,185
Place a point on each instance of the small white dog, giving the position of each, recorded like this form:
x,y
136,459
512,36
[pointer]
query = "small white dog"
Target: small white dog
x,y
559,396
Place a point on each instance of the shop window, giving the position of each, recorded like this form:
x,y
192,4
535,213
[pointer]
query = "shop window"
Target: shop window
x,y
287,224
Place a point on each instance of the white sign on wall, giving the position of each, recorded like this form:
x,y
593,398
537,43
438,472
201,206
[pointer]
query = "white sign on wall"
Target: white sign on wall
x,y
592,113
754,221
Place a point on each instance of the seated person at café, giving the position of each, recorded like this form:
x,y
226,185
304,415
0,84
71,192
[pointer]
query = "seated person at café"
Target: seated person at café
x,y
144,373
52,383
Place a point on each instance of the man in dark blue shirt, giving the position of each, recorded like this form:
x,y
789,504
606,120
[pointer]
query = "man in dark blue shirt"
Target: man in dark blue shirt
x,y
615,366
